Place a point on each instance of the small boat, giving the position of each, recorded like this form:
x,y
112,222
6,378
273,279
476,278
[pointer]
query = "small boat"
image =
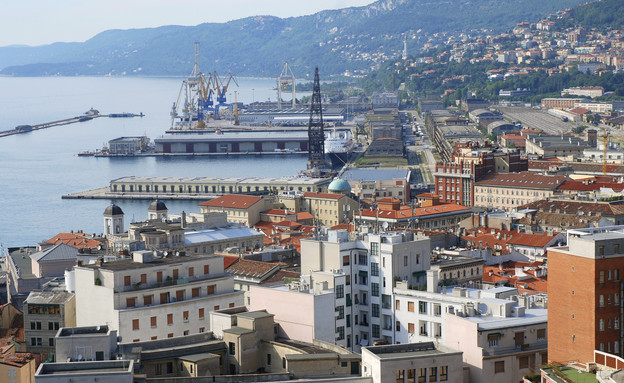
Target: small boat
x,y
87,153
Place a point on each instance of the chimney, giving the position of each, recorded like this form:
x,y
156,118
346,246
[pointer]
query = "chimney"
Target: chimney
x,y
79,262
183,220
99,261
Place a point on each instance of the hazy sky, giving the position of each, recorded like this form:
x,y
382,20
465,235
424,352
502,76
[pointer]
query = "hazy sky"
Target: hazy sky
x,y
38,22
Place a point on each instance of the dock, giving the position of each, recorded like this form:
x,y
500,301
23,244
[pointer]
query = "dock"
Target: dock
x,y
89,115
105,193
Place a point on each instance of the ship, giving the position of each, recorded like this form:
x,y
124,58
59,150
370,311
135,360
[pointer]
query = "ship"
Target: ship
x,y
339,144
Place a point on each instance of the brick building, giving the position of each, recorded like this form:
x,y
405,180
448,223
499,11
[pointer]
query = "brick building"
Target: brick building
x,y
585,296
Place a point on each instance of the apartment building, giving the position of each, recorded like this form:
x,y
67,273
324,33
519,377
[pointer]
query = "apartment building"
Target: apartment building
x,y
584,289
370,267
508,191
148,298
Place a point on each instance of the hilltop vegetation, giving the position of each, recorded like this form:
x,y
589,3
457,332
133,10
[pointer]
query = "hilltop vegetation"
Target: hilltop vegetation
x,y
602,15
352,39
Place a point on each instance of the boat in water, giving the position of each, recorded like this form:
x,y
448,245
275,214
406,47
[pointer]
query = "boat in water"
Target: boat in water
x,y
339,144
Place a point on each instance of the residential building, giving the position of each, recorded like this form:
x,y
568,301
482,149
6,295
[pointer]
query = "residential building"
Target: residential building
x,y
248,273
511,190
241,209
585,295
330,209
414,362
372,264
372,184
45,312
76,344
148,297
585,91
561,103
391,215
546,146
19,367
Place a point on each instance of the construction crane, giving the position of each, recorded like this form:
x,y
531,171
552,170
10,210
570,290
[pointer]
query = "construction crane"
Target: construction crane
x,y
605,144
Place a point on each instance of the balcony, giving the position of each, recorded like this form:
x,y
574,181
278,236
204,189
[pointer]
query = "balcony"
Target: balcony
x,y
493,351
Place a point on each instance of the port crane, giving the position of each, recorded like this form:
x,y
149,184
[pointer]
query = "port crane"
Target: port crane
x,y
221,85
285,78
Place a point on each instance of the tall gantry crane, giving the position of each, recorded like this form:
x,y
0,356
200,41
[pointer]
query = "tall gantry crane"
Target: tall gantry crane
x,y
285,78
316,135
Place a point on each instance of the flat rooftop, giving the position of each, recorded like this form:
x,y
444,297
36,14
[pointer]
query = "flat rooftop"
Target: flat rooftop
x,y
48,298
406,350
244,180
219,234
128,264
86,368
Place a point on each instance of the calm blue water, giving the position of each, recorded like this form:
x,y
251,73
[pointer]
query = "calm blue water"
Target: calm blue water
x,y
38,167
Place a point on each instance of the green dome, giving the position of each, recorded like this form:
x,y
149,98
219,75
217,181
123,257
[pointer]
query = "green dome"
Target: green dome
x,y
338,185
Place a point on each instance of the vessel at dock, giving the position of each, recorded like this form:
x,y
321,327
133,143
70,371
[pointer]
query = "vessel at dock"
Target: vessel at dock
x,y
339,144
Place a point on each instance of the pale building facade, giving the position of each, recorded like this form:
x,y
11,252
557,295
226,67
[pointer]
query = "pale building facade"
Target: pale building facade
x,y
148,298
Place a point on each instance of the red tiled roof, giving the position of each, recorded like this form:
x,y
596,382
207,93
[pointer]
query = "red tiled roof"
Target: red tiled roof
x,y
323,195
304,215
229,260
388,200
233,201
289,224
407,212
533,240
590,185
522,180
579,111
77,240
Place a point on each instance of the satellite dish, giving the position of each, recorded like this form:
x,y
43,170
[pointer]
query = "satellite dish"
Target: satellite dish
x,y
79,356
97,328
384,225
482,308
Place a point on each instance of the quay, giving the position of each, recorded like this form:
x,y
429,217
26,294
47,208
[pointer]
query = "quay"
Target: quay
x,y
199,188
89,115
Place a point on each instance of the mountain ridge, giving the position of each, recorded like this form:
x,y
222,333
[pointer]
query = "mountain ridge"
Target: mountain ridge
x,y
354,39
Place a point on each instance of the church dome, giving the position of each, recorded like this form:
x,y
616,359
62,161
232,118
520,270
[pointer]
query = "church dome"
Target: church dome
x,y
157,205
338,185
113,210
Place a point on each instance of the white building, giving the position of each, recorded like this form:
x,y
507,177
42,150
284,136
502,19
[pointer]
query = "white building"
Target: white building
x,y
369,267
148,298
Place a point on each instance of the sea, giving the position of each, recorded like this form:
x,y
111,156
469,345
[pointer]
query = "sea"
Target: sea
x,y
37,168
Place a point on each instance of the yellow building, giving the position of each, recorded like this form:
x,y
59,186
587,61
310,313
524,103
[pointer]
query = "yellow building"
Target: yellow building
x,y
330,209
241,209
507,191
18,368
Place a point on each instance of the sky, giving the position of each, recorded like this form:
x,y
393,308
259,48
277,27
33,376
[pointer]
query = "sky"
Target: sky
x,y
39,22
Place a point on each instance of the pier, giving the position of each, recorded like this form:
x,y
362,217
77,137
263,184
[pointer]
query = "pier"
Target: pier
x,y
89,115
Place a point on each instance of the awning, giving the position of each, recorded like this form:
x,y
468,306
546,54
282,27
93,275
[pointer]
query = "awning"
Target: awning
x,y
419,273
494,335
363,273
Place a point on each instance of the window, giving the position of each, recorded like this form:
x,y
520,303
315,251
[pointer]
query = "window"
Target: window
x,y
398,326
340,332
185,316
186,332
443,373
130,302
601,325
169,367
523,362
159,278
422,307
144,278
210,289
422,375
541,334
433,374
135,324
340,310
411,376
339,291
375,330
206,269
53,325
195,292
410,328
201,313
400,375
147,300
405,260
345,260
268,359
232,348
169,319
175,274
375,310
180,295
493,339
601,300
191,272
375,289
127,280
374,269
410,307
499,367
215,308
374,250
51,342
397,304
601,252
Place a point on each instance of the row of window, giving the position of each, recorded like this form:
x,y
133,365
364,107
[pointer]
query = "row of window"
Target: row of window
x,y
423,306
431,374
201,315
202,189
39,342
166,297
510,191
37,325
159,276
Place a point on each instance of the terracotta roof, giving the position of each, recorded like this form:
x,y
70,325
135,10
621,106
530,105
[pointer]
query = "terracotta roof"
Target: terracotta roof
x,y
589,185
579,111
288,224
228,260
581,208
78,240
304,215
506,272
323,195
532,240
388,200
232,201
406,212
254,269
522,180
